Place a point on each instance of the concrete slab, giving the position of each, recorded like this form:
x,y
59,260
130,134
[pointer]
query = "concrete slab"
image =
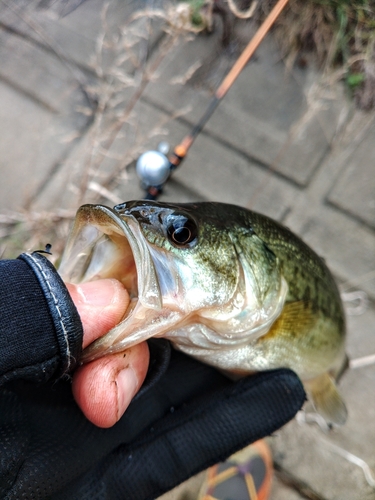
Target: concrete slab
x,y
348,247
49,82
74,36
354,191
282,120
304,451
361,331
31,143
201,177
91,162
211,167
40,110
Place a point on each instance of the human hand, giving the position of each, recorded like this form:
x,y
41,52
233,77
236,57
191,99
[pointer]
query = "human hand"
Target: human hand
x,y
186,417
105,387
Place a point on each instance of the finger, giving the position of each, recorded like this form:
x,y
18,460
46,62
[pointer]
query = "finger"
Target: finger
x,y
101,305
105,387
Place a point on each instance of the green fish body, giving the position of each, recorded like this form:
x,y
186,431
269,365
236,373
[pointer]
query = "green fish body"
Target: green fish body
x,y
230,287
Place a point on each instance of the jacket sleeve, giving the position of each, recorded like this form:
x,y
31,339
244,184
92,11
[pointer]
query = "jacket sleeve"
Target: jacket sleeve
x,y
40,328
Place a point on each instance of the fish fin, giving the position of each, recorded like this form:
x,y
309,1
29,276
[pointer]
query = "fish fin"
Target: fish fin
x,y
326,399
295,320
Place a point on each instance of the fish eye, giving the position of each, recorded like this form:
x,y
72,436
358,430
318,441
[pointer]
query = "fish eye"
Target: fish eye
x,y
182,231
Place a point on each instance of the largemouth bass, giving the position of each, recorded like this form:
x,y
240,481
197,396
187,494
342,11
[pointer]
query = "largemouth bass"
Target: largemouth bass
x,y
230,287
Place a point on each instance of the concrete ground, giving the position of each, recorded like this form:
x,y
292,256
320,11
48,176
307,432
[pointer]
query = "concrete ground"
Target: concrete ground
x,y
288,143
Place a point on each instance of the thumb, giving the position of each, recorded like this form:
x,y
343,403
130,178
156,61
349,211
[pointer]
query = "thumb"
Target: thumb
x,y
101,305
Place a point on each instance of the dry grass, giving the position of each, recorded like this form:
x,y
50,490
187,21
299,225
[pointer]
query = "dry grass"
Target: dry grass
x,y
335,34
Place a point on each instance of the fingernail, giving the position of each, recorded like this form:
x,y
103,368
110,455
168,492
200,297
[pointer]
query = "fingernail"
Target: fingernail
x,y
98,293
127,386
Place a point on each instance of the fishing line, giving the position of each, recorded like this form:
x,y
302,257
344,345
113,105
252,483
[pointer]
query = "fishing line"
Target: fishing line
x,y
163,170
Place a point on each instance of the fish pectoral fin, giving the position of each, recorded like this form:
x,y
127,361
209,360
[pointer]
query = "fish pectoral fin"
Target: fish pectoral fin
x,y
327,399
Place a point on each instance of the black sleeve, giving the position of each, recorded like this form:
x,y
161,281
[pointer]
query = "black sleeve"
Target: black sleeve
x,y
40,329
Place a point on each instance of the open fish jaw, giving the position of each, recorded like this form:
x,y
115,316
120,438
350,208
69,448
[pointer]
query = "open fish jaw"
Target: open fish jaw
x,y
102,245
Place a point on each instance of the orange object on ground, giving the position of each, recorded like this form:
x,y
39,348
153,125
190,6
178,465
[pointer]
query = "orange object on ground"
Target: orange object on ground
x,y
246,475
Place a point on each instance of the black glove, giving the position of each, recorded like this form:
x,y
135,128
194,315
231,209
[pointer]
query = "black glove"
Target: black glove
x,y
40,329
186,417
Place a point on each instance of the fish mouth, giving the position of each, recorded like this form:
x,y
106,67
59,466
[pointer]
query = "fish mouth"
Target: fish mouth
x,y
104,245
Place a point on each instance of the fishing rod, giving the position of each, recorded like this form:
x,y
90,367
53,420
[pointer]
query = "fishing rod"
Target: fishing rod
x,y
154,167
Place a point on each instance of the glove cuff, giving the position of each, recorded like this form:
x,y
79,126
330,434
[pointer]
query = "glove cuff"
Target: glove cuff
x,y
65,317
